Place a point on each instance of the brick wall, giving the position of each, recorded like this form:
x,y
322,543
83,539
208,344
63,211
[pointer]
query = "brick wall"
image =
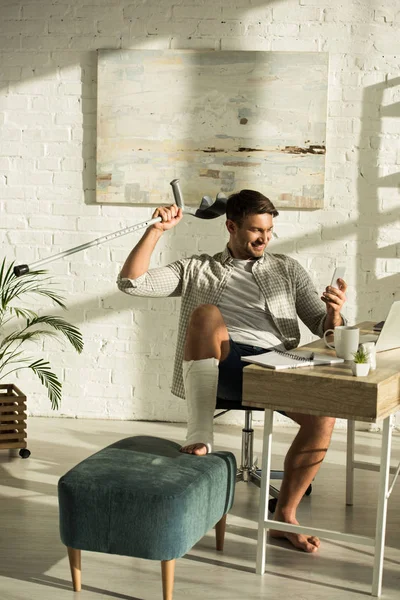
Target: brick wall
x,y
47,167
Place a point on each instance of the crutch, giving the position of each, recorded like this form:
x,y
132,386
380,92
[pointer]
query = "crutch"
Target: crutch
x,y
208,209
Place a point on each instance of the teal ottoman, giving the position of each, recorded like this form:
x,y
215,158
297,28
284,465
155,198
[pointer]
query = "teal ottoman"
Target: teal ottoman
x,y
142,497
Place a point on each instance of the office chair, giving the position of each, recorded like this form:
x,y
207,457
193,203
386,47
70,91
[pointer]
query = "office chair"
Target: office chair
x,y
248,470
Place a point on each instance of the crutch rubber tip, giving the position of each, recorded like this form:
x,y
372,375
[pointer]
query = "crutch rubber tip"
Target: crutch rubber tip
x,y
21,270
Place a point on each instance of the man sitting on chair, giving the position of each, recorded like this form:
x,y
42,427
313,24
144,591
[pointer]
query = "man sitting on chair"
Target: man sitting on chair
x,y
241,301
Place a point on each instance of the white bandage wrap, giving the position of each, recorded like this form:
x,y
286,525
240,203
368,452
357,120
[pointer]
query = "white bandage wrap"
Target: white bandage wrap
x,y
200,378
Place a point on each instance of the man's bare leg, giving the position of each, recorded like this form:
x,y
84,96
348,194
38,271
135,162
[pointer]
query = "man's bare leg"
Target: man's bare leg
x,y
206,337
302,462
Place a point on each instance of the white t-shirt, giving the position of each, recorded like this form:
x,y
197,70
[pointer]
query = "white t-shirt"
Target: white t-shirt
x,y
244,311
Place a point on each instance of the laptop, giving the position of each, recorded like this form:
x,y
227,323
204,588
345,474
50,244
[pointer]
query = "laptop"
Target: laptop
x,y
389,337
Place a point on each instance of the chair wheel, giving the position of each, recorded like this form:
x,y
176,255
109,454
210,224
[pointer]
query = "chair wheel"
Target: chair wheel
x,y
272,505
308,490
24,453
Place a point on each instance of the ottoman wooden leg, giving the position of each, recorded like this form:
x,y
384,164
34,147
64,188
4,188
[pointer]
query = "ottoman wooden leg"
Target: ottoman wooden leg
x,y
220,533
75,565
167,573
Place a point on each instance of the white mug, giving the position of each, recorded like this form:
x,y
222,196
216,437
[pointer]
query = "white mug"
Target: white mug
x,y
346,341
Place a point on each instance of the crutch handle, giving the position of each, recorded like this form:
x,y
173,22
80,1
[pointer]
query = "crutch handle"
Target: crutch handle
x,y
177,194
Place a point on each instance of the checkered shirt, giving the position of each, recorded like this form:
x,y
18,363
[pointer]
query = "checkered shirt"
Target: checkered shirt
x,y
287,288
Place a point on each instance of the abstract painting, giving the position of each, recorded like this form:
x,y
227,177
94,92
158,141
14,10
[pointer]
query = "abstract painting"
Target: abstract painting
x,y
217,121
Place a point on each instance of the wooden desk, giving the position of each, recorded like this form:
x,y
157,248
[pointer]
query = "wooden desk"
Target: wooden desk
x,y
330,391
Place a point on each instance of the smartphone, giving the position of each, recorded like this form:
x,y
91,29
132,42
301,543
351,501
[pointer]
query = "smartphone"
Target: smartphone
x,y
338,274
378,326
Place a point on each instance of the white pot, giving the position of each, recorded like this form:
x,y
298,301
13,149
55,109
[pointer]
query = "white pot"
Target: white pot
x,y
360,369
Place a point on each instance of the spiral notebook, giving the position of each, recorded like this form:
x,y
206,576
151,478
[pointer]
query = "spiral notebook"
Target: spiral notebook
x,y
291,360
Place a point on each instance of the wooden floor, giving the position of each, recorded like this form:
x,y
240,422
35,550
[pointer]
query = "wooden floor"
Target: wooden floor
x,y
34,564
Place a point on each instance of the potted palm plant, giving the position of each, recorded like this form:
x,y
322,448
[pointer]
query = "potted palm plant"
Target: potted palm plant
x,y
19,325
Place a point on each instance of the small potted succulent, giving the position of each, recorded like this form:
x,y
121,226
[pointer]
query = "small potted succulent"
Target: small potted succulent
x,y
360,365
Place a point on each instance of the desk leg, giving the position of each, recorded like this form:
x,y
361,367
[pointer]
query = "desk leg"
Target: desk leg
x,y
382,506
351,426
264,491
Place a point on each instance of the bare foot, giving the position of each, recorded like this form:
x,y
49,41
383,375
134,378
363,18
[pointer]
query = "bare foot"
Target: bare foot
x,y
198,449
307,543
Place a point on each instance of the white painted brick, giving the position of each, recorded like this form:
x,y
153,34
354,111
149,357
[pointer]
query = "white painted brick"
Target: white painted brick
x,y
56,134
53,42
68,178
61,149
46,10
97,286
13,222
10,11
39,103
111,317
72,164
101,390
70,88
52,223
96,42
38,88
10,73
5,164
100,12
294,14
10,134
283,29
384,16
144,12
347,44
20,27
34,238
33,178
224,28
9,42
388,45
10,149
22,59
99,224
30,119
68,118
247,43
194,43
392,265
203,13
13,102
140,41
348,13
73,26
48,164
111,27
256,29
286,44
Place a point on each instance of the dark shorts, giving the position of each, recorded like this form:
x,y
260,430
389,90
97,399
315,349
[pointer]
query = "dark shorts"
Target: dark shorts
x,y
230,380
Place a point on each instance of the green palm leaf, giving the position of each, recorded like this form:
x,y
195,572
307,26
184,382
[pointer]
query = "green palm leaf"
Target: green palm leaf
x,y
26,285
24,313
13,288
24,336
5,275
71,332
42,369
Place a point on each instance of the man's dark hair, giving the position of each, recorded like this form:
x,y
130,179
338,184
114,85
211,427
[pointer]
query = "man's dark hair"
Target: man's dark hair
x,y
248,202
